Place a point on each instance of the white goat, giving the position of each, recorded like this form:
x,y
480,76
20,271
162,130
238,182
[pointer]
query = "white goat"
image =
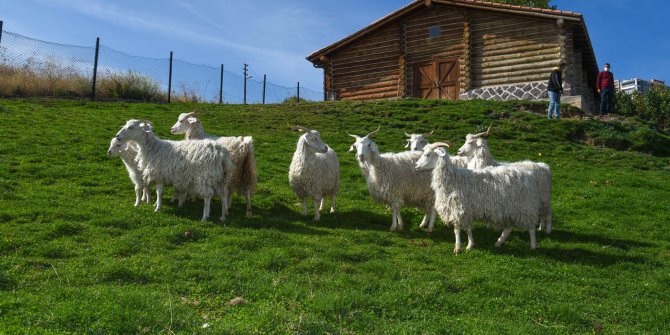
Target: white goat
x,y
416,142
202,167
241,151
128,153
476,151
314,172
504,196
392,180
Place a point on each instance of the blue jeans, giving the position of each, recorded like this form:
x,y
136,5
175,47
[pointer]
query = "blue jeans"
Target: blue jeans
x,y
554,104
606,101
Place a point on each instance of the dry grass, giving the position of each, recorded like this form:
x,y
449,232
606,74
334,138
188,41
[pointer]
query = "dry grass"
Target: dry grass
x,y
51,79
48,79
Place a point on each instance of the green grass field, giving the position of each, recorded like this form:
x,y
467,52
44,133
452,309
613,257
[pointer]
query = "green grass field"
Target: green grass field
x,y
77,257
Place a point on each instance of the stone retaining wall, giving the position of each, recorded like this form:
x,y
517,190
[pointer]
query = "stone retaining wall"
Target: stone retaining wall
x,y
527,91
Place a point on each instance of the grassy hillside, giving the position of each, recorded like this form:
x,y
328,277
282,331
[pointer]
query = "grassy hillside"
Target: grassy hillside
x,y
77,257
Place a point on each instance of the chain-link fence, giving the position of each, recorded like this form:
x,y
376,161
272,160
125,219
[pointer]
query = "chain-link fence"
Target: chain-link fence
x,y
34,68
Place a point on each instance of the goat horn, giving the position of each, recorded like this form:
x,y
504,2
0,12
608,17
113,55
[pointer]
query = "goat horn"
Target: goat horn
x,y
439,144
352,135
408,135
372,133
483,134
429,134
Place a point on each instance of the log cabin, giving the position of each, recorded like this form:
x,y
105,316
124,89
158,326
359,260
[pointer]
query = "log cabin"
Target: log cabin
x,y
462,49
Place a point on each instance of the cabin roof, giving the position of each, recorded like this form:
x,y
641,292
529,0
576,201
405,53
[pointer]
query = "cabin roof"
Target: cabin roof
x,y
318,56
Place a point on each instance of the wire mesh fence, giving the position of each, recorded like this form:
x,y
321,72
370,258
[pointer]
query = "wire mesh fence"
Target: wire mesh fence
x,y
35,68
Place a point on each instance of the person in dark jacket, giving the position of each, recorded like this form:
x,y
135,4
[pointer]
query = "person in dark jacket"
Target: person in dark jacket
x,y
605,86
555,89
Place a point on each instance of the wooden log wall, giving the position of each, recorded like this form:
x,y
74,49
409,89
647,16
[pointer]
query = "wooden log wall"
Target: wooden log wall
x,y
422,49
466,75
509,49
493,49
369,68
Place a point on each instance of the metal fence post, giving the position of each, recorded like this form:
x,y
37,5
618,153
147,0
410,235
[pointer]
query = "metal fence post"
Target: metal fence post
x,y
298,91
0,31
245,83
221,86
170,80
95,66
264,81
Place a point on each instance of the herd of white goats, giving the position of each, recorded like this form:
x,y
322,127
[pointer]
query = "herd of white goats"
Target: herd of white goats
x,y
461,189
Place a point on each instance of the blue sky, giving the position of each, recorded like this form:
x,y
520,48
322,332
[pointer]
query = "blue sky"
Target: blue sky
x,y
274,37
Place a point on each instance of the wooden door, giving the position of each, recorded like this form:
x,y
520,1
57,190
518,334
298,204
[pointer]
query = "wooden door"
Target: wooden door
x,y
426,81
438,79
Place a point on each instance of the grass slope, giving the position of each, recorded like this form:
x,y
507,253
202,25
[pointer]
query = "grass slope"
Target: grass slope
x,y
77,257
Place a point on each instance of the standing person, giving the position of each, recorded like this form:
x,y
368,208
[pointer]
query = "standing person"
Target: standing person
x,y
555,88
605,86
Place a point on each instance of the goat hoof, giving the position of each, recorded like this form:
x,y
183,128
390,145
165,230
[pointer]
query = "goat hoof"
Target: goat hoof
x,y
470,247
498,244
457,250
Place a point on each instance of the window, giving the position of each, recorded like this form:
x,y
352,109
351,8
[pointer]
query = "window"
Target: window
x,y
434,32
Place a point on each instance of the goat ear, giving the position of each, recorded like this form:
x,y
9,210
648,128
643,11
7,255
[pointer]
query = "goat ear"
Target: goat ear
x,y
192,120
352,149
441,152
479,142
407,145
146,127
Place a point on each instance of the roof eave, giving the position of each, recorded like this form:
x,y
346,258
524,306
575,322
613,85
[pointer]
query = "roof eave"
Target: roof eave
x,y
316,57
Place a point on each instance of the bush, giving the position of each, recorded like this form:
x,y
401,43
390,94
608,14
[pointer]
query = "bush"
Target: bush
x,y
294,100
653,106
129,85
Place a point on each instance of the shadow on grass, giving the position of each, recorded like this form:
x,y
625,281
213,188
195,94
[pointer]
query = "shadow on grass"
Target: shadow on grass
x,y
605,242
590,256
278,216
587,257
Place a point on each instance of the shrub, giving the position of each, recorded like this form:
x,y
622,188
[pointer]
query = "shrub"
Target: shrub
x,y
653,106
294,100
129,85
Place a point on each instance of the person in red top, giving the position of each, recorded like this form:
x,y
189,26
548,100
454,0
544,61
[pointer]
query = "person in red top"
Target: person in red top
x,y
605,86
